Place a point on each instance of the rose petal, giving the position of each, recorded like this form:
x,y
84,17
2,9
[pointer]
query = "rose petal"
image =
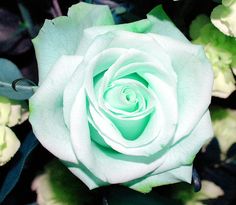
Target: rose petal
x,y
183,173
100,161
53,38
46,109
189,60
157,22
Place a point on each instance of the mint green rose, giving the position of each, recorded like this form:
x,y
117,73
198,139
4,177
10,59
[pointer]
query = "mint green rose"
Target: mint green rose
x,y
121,104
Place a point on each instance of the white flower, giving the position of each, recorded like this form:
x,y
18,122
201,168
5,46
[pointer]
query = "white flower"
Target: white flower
x,y
224,125
45,195
223,17
12,112
220,50
9,144
224,82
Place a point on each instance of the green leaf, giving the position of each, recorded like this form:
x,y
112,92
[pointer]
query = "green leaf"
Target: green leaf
x,y
118,195
9,73
17,165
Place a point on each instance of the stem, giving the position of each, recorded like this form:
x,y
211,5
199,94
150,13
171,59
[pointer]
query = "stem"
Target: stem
x,y
56,7
27,19
22,87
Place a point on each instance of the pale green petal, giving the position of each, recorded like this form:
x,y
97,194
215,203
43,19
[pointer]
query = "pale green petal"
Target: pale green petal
x,y
183,173
76,82
184,151
100,161
98,55
46,109
193,97
157,22
62,35
178,159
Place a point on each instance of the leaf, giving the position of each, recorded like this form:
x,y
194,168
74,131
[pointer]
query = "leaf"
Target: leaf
x,y
9,73
118,195
18,162
13,38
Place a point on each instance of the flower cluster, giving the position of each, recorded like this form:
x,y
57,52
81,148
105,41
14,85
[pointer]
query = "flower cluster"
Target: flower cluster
x,y
221,51
223,17
11,113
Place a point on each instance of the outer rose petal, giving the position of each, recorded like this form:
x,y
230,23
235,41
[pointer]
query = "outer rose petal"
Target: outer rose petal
x,y
46,109
190,65
157,22
183,173
56,42
178,164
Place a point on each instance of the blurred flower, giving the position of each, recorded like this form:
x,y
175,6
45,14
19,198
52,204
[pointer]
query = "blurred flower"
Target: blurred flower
x,y
12,112
45,195
58,186
9,144
220,50
224,125
223,17
209,190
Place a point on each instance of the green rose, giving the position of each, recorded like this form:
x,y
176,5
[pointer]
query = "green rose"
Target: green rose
x,y
121,104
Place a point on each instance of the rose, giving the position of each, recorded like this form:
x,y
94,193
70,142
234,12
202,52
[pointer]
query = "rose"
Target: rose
x,y
123,104
41,185
54,188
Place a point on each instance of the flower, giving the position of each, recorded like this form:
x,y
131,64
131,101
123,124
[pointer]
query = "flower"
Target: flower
x,y
223,17
45,195
12,112
208,191
224,126
60,187
121,104
9,144
220,50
